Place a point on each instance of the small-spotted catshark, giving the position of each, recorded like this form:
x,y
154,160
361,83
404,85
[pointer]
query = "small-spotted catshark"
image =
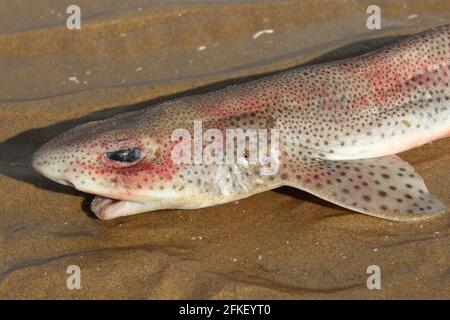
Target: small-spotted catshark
x,y
339,124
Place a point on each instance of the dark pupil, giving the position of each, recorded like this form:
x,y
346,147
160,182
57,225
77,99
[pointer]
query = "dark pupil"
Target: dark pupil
x,y
124,155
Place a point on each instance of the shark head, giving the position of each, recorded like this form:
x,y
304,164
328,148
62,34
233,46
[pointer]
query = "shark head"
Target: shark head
x,y
129,162
123,161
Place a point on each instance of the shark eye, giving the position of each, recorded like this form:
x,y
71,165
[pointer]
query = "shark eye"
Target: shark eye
x,y
125,156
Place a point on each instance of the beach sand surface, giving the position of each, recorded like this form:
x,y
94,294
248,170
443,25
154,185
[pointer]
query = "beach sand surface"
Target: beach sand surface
x,y
281,244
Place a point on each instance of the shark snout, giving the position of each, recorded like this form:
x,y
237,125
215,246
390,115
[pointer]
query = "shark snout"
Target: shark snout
x,y
47,163
38,162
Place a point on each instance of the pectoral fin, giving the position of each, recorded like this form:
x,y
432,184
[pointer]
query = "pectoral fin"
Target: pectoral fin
x,y
385,187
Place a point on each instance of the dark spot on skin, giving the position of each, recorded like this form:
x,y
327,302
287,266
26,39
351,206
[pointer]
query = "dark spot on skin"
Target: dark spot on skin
x,y
366,197
382,193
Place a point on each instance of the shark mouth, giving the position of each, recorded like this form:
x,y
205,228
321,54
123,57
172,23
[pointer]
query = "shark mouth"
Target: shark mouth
x,y
106,208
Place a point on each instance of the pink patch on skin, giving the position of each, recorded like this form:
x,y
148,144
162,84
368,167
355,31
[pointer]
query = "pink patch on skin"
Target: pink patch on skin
x,y
395,87
132,178
433,78
147,169
385,84
386,77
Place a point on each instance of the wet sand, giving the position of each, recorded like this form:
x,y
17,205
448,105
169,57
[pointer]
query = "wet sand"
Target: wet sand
x,y
282,244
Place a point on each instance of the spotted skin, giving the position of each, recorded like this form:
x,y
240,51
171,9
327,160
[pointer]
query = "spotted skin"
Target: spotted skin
x,y
340,124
